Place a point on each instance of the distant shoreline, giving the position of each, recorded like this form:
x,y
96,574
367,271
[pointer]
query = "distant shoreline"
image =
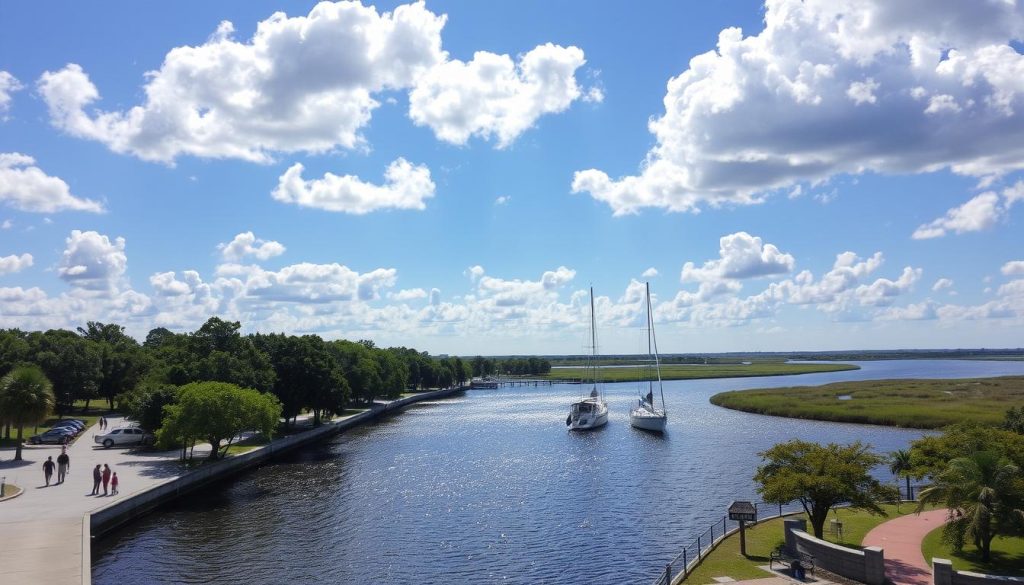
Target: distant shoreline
x,y
628,373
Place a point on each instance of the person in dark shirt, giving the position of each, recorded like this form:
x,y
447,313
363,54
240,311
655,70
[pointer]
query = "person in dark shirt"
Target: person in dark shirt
x,y
48,469
97,477
63,465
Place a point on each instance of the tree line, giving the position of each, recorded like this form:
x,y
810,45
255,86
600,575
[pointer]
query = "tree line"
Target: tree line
x,y
533,366
151,380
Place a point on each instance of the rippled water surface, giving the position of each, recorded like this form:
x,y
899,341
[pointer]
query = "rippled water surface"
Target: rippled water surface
x,y
488,487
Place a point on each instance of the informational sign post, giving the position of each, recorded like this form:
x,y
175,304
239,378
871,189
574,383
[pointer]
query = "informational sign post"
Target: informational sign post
x,y
742,512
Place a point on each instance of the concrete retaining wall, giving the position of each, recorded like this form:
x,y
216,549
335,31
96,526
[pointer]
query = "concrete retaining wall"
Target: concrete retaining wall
x,y
943,574
114,515
866,566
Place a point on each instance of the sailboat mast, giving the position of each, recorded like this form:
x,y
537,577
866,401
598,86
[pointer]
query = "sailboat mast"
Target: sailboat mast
x,y
650,382
593,337
654,339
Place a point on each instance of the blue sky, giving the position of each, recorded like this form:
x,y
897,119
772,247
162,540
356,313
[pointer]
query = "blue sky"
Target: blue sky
x,y
453,175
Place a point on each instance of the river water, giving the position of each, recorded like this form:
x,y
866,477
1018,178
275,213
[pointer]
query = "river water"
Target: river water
x,y
489,487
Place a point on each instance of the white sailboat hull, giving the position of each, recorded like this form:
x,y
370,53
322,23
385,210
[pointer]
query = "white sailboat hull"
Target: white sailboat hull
x,y
587,414
648,419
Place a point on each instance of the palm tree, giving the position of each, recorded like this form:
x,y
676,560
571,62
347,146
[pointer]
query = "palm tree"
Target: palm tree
x,y
979,491
900,467
26,398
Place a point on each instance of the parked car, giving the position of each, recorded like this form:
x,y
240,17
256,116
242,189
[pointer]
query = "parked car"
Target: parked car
x,y
68,424
59,436
125,436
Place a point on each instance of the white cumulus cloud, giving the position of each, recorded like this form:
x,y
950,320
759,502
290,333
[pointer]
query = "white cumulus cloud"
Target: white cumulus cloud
x,y
741,256
1013,268
310,84
91,262
492,96
13,263
650,272
405,187
247,244
942,283
787,106
26,187
981,212
8,85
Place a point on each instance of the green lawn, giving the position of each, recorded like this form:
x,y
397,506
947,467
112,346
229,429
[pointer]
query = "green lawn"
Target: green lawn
x,y
726,561
925,404
685,372
1007,555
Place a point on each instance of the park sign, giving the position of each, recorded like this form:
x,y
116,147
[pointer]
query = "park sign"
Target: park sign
x,y
742,512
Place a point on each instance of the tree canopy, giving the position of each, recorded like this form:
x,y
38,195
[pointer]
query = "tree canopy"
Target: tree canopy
x,y
217,412
821,477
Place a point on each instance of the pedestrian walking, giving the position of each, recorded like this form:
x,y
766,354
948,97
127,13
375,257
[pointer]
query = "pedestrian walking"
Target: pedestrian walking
x,y
113,484
97,477
48,469
63,464
103,423
106,478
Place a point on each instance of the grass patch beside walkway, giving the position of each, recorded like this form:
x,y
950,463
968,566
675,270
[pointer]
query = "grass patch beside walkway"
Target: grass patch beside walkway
x,y
726,560
1007,555
922,404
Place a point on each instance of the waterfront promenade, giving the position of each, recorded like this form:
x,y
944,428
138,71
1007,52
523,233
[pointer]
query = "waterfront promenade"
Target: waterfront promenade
x,y
47,529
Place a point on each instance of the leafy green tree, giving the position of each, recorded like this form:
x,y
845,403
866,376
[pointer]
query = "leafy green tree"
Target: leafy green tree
x,y
983,492
145,403
14,349
26,398
931,455
121,358
821,477
217,412
900,466
73,364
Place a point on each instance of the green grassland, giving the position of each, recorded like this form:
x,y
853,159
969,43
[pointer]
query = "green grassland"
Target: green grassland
x,y
922,404
695,372
1007,555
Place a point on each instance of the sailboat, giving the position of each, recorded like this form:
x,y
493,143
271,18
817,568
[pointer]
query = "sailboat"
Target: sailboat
x,y
645,415
590,412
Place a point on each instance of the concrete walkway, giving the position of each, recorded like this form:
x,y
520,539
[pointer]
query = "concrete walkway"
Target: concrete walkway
x,y
43,526
901,538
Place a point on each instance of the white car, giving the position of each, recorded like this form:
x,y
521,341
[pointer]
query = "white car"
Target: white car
x,y
125,436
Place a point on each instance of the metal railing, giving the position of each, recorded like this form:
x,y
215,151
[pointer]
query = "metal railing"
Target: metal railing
x,y
697,549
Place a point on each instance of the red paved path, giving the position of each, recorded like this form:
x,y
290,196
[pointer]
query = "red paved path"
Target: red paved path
x,y
901,538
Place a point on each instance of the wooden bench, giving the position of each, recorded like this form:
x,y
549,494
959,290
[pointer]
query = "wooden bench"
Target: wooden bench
x,y
784,557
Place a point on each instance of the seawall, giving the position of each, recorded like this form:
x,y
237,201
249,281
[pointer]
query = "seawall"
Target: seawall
x,y
109,518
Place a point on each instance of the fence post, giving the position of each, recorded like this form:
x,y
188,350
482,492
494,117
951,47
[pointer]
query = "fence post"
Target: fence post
x,y
756,513
780,510
723,527
668,574
698,547
685,564
712,534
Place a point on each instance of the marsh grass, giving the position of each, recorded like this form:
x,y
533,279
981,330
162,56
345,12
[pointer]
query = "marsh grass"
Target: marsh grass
x,y
923,404
697,372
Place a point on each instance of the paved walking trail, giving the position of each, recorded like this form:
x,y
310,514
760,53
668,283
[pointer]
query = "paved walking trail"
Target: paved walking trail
x,y
43,526
901,538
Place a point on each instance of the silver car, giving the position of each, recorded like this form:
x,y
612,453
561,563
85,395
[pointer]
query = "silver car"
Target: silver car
x,y
125,436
